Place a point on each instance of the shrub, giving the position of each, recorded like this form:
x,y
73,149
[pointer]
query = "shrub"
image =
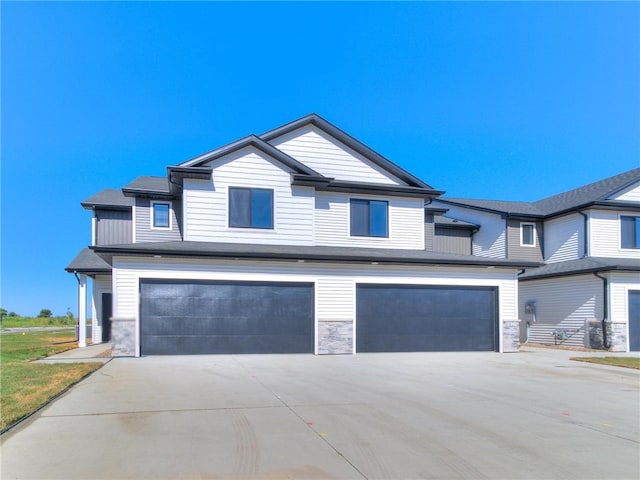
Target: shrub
x,y
45,313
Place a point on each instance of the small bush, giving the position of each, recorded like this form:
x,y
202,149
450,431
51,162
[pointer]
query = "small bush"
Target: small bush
x,y
45,313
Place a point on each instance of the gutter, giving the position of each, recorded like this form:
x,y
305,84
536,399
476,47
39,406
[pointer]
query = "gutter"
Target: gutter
x,y
605,308
585,252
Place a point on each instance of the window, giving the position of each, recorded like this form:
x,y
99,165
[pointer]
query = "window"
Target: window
x,y
161,217
629,232
528,234
250,207
369,218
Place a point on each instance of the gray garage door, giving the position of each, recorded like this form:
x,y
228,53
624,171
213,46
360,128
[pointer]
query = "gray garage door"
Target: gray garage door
x,y
225,317
634,320
416,318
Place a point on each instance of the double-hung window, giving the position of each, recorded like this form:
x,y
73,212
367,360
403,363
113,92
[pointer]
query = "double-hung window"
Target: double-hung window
x,y
161,215
528,234
369,218
250,207
629,232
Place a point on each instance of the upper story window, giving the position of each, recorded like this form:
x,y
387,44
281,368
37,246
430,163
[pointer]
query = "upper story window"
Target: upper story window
x,y
629,232
369,218
161,217
528,234
250,207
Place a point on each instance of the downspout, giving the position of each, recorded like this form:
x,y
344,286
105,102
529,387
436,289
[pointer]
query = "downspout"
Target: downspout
x,y
585,252
605,308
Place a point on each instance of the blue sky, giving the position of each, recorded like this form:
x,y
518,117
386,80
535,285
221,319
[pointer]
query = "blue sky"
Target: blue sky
x,y
511,101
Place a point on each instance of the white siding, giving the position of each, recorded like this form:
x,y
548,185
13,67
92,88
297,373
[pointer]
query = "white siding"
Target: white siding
x,y
629,194
332,223
564,238
331,158
619,285
335,294
490,240
206,202
605,235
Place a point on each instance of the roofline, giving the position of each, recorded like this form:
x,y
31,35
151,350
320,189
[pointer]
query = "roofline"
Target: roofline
x,y
253,141
89,271
295,256
584,271
348,140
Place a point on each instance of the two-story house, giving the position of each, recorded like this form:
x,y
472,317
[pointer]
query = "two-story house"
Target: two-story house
x,y
588,292
301,239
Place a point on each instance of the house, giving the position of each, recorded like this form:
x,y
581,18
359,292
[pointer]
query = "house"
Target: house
x,y
302,239
587,293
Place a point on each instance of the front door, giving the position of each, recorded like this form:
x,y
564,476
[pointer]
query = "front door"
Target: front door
x,y
106,317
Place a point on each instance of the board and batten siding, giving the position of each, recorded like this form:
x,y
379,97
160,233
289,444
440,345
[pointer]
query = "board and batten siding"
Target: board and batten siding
x,y
332,222
605,234
335,283
101,284
113,227
629,194
329,157
490,240
517,251
564,238
452,240
144,230
207,202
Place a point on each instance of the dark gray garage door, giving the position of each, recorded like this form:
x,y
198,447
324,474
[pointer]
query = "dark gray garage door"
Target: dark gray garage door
x,y
225,317
634,320
416,318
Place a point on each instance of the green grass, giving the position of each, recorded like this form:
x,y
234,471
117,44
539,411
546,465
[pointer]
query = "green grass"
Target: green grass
x,y
27,386
25,322
628,362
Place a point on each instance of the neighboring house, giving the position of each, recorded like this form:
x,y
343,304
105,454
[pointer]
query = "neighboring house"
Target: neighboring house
x,y
302,239
589,240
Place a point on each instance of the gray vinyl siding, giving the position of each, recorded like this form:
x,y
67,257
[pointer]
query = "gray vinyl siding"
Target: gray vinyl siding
x,y
144,232
429,231
113,227
452,240
516,251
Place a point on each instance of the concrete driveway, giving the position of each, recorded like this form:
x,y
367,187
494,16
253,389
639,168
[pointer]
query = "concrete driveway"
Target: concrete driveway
x,y
534,415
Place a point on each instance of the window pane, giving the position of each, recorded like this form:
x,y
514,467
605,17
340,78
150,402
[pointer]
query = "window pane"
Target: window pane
x,y
378,218
262,208
239,207
161,215
630,232
359,217
527,235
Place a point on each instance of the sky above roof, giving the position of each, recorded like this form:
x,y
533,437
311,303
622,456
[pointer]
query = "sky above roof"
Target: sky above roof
x,y
501,100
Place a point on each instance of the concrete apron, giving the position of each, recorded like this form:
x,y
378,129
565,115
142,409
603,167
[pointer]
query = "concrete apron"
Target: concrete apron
x,y
534,414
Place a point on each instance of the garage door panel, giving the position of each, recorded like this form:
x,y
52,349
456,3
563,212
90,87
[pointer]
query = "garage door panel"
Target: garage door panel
x,y
405,318
179,317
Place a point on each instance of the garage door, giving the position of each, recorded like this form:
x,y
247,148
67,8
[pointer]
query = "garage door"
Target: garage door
x,y
225,317
416,318
634,320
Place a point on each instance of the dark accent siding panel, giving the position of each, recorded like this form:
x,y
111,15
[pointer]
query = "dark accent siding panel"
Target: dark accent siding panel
x,y
518,252
113,227
198,317
408,318
429,232
451,240
634,320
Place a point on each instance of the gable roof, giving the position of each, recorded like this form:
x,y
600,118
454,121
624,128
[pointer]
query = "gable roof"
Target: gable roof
x,y
110,198
348,140
251,141
596,193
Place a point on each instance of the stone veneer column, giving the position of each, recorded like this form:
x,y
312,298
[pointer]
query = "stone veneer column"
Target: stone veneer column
x,y
617,336
123,337
335,337
511,336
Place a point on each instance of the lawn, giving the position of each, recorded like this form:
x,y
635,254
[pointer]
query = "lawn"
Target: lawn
x,y
628,362
26,386
25,322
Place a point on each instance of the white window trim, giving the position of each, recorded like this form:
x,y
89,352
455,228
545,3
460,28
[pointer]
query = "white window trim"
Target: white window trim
x,y
151,208
369,237
268,231
522,225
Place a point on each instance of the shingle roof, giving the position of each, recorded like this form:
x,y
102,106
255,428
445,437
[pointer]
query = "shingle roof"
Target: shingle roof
x,y
88,261
311,253
110,197
581,266
443,221
149,185
596,192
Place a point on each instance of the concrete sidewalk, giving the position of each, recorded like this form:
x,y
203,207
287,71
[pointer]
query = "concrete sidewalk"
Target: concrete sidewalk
x,y
90,353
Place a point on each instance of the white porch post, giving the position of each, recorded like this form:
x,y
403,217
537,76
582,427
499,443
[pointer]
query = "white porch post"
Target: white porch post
x,y
82,310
